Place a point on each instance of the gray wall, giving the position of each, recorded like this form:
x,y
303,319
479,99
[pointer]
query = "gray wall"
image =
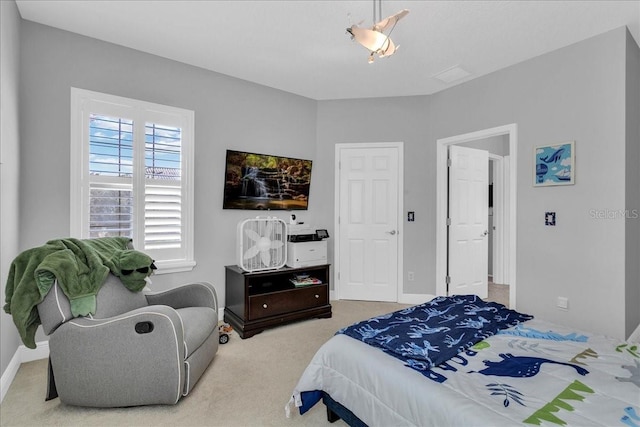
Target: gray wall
x,y
400,119
229,114
9,164
575,93
632,185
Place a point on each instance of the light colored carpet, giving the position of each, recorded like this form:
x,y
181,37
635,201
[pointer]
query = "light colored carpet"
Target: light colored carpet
x,y
499,293
248,383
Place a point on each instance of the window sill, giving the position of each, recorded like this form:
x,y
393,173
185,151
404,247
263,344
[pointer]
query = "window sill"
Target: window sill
x,y
174,266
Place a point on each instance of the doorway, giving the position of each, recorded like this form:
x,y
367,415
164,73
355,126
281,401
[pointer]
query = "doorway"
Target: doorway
x,y
509,169
368,222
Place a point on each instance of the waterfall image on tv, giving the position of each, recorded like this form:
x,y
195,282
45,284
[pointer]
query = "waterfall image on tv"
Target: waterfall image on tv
x,y
263,182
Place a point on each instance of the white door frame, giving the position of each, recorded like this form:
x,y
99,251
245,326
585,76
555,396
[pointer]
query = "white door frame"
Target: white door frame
x,y
498,233
336,222
441,203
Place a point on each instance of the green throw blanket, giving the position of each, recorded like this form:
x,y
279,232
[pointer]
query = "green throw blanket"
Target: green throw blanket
x,y
80,266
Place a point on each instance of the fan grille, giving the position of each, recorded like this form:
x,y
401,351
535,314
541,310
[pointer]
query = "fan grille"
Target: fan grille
x,y
261,244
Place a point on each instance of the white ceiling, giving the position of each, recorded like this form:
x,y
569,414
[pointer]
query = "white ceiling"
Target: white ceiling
x,y
302,47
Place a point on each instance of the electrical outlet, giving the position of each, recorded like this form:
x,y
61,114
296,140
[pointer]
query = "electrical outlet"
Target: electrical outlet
x,y
563,303
411,276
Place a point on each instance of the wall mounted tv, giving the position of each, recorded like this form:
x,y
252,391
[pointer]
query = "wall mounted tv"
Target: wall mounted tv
x,y
265,182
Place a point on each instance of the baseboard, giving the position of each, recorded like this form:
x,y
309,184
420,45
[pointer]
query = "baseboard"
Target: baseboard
x,y
415,298
22,355
403,299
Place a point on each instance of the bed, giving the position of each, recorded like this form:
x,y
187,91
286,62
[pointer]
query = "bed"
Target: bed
x,y
525,371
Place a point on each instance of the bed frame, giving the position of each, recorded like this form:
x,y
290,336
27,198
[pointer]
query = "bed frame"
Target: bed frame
x,y
336,411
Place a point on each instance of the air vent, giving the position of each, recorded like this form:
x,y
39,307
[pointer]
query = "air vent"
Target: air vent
x,y
452,74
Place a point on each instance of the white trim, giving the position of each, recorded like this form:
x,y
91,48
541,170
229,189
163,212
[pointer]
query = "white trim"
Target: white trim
x,y
441,202
187,376
82,103
412,299
415,299
507,216
498,231
171,266
336,229
22,355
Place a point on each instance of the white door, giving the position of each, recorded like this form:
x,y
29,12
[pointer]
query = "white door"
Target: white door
x,y
368,223
468,213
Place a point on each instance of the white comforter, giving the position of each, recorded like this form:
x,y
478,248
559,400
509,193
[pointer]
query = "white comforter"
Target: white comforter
x,y
536,373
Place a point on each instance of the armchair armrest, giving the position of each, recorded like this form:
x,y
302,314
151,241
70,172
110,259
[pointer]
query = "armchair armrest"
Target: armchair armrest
x,y
199,294
132,359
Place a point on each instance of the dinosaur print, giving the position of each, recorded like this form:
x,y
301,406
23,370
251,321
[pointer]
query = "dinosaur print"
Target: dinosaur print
x,y
507,392
439,321
631,418
631,349
448,318
471,323
401,320
386,339
433,312
450,341
368,332
521,366
572,393
522,331
416,352
635,374
417,331
583,355
472,310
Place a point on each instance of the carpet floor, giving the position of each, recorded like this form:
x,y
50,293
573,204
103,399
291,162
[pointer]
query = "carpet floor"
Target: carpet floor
x,y
248,383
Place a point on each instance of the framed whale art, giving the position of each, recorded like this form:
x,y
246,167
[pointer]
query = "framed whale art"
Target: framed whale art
x,y
554,164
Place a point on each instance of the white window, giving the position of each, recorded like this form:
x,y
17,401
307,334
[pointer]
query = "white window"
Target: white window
x,y
132,175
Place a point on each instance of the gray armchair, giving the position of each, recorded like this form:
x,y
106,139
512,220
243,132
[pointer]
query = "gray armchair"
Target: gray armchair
x,y
138,349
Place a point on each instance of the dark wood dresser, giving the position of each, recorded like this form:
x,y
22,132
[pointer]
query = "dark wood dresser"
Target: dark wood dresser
x,y
263,299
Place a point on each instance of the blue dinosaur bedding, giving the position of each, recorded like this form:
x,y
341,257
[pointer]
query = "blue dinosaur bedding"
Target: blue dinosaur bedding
x,y
533,373
426,335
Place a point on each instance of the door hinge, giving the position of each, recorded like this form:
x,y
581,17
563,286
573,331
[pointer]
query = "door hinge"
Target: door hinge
x,y
448,163
448,280
338,276
448,222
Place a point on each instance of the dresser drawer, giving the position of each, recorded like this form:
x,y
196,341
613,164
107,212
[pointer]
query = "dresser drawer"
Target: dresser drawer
x,y
276,303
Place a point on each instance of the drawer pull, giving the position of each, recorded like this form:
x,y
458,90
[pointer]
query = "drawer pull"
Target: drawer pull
x,y
317,296
264,305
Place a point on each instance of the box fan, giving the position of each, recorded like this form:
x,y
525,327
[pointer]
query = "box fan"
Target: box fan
x,y
261,244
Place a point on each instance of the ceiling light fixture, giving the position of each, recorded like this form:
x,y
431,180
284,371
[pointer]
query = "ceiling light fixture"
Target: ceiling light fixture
x,y
375,39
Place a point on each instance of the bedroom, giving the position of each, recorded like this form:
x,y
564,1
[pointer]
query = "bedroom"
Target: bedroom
x,y
579,92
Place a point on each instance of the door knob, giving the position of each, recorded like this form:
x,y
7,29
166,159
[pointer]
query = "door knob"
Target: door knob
x,y
485,233
392,232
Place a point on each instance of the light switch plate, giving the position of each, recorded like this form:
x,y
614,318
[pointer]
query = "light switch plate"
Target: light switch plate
x,y
550,218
